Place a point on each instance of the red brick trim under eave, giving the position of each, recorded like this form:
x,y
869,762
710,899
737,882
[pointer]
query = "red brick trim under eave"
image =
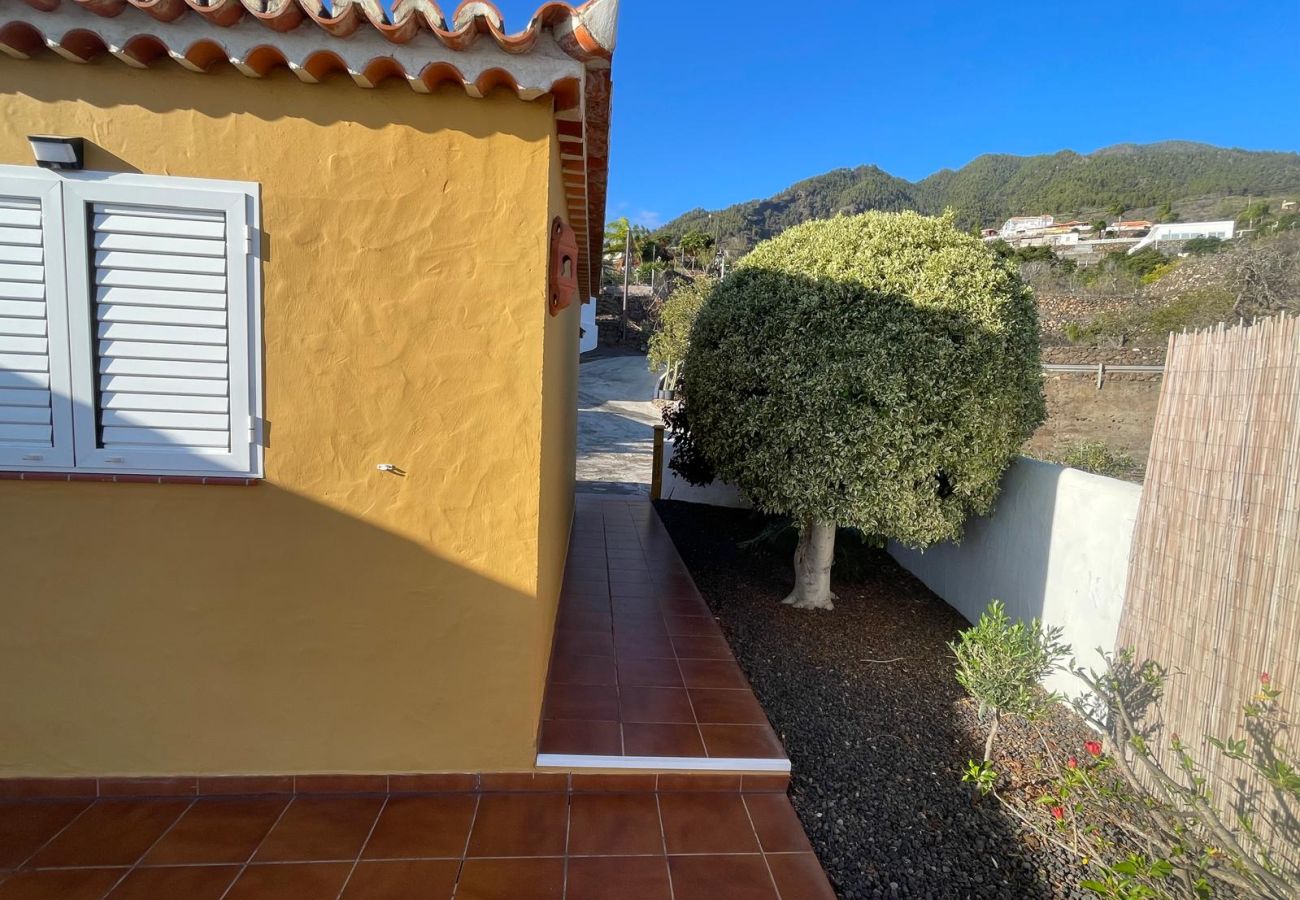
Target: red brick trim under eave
x,y
128,479
437,783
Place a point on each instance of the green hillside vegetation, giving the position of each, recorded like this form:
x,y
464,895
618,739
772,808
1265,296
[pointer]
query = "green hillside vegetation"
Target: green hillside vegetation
x,y
1170,178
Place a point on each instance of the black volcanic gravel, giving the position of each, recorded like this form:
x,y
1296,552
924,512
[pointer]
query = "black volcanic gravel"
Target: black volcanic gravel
x,y
878,748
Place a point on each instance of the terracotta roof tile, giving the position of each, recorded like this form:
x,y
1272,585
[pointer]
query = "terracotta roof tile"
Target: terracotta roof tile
x,y
565,51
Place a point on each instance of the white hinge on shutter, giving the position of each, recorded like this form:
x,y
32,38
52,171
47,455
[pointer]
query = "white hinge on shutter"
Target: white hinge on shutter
x,y
35,406
160,328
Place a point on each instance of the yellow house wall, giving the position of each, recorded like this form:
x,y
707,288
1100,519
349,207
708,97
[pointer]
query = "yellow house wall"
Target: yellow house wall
x,y
559,430
333,618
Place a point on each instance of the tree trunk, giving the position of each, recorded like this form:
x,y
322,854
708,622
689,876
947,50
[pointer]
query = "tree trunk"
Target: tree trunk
x,y
988,741
812,566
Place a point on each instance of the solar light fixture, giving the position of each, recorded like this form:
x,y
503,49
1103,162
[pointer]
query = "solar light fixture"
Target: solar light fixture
x,y
54,152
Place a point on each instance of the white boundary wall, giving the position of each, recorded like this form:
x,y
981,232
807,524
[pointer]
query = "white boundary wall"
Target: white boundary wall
x,y
1056,548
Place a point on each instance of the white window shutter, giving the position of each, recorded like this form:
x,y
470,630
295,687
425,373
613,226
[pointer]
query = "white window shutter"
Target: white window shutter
x,y
161,325
35,389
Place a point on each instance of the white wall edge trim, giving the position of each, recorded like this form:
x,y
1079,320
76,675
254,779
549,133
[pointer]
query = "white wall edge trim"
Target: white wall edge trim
x,y
671,763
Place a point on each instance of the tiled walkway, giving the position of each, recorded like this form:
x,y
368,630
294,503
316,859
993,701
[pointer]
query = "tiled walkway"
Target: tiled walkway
x,y
641,676
466,846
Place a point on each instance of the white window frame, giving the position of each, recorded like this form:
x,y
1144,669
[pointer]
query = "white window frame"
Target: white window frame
x,y
46,189
70,195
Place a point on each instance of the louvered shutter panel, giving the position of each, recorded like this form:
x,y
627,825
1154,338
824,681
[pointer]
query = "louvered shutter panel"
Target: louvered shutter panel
x,y
166,322
35,392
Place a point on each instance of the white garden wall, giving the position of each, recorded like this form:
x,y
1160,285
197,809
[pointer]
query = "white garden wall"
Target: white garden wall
x,y
1056,548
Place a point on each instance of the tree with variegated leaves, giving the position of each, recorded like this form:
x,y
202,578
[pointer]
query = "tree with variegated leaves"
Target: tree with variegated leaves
x,y
876,371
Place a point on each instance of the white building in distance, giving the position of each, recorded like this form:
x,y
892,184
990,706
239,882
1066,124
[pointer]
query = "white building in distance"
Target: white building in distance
x,y
1186,231
1021,225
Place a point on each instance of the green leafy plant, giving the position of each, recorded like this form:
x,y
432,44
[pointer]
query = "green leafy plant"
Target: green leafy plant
x,y
1002,665
672,335
1095,457
1144,828
1160,271
1203,246
876,372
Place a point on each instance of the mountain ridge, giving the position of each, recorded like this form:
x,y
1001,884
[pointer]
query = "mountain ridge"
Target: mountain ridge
x,y
1187,175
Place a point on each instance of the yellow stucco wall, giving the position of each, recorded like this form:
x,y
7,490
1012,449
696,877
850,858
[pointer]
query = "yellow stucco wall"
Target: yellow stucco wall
x,y
333,618
559,432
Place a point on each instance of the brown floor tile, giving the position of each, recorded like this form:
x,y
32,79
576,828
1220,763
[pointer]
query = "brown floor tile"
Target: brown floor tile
x,y
582,670
583,620
295,881
245,785
706,823
49,788
732,707
421,827
340,784
588,702
691,625
520,825
421,879
614,824
584,643
175,883
721,878
636,609
547,782
765,782
649,673
64,884
110,833
708,673
799,876
320,828
662,740
433,783
607,782
779,830
676,782
594,601
583,738
644,645
148,787
218,831
636,878
631,624
25,825
656,705
683,606
742,742
511,879
701,647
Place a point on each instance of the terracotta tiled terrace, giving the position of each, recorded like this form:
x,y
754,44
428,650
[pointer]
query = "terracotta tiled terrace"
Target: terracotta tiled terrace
x,y
641,676
641,679
522,845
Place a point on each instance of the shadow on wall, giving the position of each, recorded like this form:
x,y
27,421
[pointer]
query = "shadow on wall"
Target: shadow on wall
x,y
1055,548
169,629
161,89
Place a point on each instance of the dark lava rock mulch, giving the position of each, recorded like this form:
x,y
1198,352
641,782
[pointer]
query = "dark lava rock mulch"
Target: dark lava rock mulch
x,y
877,729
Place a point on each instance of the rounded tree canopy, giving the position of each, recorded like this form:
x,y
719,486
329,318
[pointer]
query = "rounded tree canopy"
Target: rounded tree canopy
x,y
877,371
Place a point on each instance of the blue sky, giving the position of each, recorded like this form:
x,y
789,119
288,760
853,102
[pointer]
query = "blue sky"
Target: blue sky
x,y
719,101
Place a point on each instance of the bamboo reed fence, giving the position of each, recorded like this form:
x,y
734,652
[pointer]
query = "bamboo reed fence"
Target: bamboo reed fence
x,y
1214,577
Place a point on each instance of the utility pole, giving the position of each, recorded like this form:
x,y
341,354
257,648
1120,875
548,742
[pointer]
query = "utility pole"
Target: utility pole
x,y
627,271
653,260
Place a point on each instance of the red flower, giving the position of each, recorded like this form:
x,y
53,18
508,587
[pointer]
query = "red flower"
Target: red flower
x,y
1265,679
1072,763
1058,813
1093,747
